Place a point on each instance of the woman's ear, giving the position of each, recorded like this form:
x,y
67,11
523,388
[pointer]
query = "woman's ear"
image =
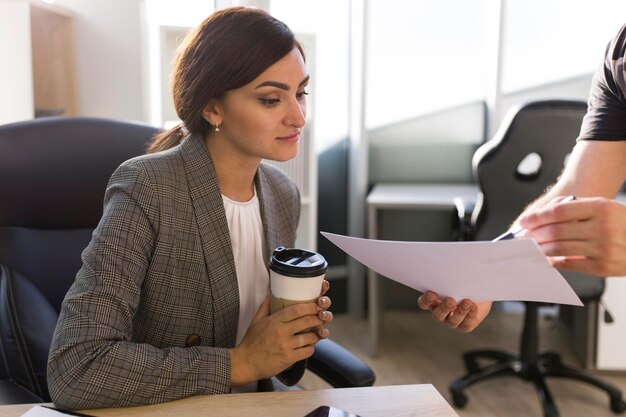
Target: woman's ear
x,y
212,113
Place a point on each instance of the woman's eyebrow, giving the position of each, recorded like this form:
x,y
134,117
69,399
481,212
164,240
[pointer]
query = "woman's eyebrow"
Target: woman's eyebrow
x,y
282,86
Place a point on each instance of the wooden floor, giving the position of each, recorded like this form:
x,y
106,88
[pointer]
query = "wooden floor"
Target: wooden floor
x,y
415,349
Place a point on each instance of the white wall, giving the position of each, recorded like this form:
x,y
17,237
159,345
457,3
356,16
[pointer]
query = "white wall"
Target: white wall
x,y
423,56
328,21
110,80
575,88
16,75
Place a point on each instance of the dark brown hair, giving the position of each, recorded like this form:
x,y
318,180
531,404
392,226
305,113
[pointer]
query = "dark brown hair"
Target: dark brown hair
x,y
228,50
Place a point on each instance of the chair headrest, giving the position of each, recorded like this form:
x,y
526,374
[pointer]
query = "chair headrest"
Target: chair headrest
x,y
54,171
545,130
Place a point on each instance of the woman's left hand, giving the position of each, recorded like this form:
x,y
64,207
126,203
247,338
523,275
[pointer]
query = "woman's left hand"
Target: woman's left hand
x,y
323,303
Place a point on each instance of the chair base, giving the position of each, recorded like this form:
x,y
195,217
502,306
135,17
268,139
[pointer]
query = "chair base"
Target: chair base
x,y
547,365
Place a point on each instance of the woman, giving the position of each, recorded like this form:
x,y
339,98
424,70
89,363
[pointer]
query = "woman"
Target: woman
x,y
171,299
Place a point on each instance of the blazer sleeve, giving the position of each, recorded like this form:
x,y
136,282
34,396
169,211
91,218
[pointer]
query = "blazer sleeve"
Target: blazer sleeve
x,y
93,360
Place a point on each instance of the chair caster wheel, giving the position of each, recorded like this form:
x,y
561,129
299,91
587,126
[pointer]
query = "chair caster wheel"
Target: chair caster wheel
x,y
618,405
459,399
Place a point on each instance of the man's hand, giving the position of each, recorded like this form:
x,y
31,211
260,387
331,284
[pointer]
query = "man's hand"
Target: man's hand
x,y
586,235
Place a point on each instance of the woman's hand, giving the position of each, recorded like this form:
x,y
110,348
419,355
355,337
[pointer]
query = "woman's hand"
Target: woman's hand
x,y
275,342
323,303
464,316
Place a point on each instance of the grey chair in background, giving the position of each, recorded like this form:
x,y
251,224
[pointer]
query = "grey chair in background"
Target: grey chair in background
x,y
526,155
53,174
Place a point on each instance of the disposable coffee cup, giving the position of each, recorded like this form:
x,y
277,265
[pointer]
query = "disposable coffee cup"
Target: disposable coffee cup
x,y
296,276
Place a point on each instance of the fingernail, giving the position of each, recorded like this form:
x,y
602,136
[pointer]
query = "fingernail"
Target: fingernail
x,y
465,306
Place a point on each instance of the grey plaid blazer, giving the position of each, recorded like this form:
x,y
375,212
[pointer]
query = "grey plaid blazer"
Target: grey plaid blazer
x,y
155,306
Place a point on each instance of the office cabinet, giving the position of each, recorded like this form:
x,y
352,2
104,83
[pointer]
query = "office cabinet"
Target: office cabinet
x,y
52,43
37,39
611,321
597,333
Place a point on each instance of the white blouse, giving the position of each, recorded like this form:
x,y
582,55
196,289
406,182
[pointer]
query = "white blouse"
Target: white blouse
x,y
246,235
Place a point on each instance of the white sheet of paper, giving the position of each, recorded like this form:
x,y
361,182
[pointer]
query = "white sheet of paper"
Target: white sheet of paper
x,y
498,271
39,411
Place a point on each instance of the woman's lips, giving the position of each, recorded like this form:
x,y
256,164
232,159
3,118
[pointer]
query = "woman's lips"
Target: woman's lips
x,y
295,137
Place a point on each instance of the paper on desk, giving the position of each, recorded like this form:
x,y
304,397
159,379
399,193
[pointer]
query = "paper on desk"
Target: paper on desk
x,y
498,271
39,411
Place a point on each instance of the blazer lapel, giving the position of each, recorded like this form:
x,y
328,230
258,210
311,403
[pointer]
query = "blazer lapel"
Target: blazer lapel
x,y
213,228
268,213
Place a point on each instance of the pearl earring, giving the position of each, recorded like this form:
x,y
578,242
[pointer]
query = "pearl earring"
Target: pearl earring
x,y
217,127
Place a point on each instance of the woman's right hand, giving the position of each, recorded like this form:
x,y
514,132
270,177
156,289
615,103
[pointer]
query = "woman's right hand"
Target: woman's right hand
x,y
464,316
275,342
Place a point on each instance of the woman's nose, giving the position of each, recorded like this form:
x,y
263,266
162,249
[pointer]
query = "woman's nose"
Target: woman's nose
x,y
296,114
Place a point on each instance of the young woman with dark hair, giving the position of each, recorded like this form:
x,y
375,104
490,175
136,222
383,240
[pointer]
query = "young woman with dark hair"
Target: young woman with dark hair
x,y
171,299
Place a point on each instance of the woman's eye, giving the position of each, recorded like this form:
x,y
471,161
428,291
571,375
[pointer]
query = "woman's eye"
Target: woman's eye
x,y
269,102
301,95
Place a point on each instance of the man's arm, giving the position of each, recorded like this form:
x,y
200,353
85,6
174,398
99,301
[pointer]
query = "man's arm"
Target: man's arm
x,y
587,235
595,169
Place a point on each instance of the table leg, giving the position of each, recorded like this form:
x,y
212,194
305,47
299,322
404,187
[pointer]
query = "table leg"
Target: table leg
x,y
373,285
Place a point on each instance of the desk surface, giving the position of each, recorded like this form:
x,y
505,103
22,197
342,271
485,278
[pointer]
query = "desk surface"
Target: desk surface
x,y
393,400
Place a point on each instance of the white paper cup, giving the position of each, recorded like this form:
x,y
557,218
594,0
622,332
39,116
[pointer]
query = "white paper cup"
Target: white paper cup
x,y
296,276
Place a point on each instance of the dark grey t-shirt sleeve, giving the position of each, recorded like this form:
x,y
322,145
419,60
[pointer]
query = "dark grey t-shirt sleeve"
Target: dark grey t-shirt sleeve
x,y
606,114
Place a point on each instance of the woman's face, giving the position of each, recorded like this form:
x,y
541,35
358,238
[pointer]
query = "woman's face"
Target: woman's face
x,y
264,119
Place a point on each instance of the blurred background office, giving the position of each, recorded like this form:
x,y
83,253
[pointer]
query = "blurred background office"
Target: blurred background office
x,y
402,91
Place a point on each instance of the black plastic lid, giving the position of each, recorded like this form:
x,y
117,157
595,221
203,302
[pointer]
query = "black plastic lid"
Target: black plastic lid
x,y
297,262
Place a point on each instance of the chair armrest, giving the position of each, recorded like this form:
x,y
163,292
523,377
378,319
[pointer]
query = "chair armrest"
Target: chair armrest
x,y
339,367
12,393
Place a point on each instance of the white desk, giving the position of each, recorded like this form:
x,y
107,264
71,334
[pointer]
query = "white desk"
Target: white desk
x,y
398,197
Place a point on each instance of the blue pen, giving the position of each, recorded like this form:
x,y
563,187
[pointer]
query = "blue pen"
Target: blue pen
x,y
512,234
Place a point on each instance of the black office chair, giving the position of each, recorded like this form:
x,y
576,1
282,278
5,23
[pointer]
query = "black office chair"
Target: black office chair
x,y
525,156
53,173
